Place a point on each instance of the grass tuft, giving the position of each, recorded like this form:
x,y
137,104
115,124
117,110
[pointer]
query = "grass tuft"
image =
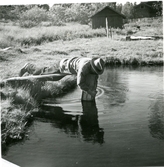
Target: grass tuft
x,y
19,100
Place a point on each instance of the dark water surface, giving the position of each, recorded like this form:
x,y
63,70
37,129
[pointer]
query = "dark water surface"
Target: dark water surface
x,y
125,127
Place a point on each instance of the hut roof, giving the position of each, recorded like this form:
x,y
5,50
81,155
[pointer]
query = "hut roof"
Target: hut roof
x,y
144,3
110,9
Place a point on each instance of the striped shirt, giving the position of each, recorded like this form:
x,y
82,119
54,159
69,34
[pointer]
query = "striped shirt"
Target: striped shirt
x,y
83,69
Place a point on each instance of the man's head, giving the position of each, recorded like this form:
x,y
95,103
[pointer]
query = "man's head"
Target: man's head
x,y
27,68
97,65
63,65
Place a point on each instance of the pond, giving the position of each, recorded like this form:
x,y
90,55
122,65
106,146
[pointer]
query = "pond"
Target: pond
x,y
124,127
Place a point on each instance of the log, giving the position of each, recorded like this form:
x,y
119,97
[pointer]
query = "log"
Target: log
x,y
50,77
140,38
131,38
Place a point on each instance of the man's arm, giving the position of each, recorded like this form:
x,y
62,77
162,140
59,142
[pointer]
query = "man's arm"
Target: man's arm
x,y
81,79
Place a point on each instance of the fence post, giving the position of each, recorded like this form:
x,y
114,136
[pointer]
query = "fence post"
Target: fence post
x,y
107,30
111,32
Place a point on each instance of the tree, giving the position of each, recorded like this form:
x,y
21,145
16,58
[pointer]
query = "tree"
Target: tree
x,y
13,12
158,6
58,12
128,10
7,12
44,6
80,12
33,17
119,8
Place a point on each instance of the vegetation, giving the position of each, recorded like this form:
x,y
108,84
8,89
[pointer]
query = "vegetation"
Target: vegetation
x,y
34,16
15,116
16,36
31,15
39,35
22,100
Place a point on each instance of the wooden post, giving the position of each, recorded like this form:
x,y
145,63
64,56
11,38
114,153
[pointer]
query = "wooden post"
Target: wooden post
x,y
107,30
111,32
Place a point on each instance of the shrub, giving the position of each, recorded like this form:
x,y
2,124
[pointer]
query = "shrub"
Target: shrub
x,y
79,13
28,23
120,31
55,21
33,17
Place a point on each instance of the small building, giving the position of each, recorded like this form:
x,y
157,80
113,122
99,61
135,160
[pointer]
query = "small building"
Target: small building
x,y
114,18
146,9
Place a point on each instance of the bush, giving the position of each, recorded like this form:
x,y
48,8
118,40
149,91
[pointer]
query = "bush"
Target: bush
x,y
28,23
78,13
55,21
33,17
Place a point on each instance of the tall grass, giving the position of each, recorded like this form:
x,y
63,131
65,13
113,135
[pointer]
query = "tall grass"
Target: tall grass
x,y
16,108
21,99
14,35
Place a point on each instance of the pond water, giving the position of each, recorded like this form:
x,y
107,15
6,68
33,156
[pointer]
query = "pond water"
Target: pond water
x,y
124,127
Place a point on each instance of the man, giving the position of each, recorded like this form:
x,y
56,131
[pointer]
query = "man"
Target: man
x,y
86,69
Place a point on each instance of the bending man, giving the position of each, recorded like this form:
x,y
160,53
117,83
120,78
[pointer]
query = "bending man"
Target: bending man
x,y
86,69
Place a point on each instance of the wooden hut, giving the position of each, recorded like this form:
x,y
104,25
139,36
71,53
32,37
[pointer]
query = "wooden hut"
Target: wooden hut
x,y
114,18
147,9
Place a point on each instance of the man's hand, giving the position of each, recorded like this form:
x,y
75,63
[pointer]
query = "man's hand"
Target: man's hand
x,y
92,92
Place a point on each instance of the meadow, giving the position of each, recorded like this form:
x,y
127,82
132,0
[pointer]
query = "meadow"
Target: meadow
x,y
46,46
13,35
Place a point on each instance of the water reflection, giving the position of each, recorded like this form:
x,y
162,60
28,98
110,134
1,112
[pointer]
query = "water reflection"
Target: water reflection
x,y
84,125
156,119
115,85
89,123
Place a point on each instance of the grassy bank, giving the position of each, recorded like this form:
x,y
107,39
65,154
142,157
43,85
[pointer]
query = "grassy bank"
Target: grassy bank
x,y
142,52
20,100
33,45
